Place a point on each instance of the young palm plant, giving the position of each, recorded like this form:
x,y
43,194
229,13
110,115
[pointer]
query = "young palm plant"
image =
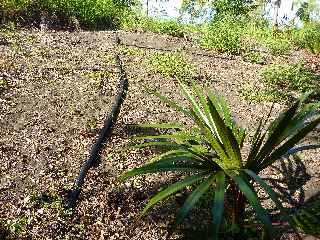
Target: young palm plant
x,y
210,155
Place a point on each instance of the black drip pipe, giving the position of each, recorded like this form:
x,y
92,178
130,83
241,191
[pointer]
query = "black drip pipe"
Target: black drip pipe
x,y
104,134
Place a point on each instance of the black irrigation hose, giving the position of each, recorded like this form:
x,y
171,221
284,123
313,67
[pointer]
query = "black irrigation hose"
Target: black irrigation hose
x,y
103,135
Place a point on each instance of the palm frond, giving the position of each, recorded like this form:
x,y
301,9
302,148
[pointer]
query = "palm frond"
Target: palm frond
x,y
218,204
157,144
272,194
214,143
193,199
307,112
196,107
171,153
256,144
306,219
227,137
275,137
201,96
177,137
255,203
173,104
178,163
173,189
290,143
222,108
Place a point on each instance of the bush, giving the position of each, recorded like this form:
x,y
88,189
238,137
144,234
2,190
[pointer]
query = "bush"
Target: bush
x,y
308,37
13,7
235,35
254,57
210,156
296,77
224,35
278,45
263,37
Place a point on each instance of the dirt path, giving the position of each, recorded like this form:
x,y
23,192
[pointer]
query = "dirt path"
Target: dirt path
x,y
60,86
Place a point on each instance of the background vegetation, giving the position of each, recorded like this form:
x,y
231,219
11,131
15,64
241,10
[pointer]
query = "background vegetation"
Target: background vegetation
x,y
87,13
237,26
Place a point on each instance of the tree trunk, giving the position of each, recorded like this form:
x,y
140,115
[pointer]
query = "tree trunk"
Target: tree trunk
x,y
147,8
276,6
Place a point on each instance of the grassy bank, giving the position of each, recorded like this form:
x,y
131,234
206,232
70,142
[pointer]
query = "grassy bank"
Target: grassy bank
x,y
85,13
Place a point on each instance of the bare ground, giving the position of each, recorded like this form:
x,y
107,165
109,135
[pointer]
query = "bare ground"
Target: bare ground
x,y
59,87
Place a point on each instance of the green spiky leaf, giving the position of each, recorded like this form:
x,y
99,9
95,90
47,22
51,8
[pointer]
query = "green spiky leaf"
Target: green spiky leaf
x,y
193,199
173,189
218,205
255,203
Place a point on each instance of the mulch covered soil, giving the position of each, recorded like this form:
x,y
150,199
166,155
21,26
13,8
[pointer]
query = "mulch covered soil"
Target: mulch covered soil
x,y
57,88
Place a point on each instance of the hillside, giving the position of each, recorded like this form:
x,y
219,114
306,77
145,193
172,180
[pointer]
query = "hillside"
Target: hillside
x,y
56,88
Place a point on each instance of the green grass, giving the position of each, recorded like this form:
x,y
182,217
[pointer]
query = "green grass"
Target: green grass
x,y
16,227
3,85
172,65
98,78
130,52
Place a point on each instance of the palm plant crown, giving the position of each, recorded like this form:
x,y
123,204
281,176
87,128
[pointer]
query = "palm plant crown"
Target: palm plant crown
x,y
211,155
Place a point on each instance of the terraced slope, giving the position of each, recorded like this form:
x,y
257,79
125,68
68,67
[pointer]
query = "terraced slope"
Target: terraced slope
x,y
55,90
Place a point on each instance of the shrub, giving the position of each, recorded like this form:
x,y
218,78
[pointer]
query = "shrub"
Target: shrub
x,y
232,7
278,45
253,94
224,35
210,155
172,65
296,77
264,37
12,8
254,57
308,37
234,35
